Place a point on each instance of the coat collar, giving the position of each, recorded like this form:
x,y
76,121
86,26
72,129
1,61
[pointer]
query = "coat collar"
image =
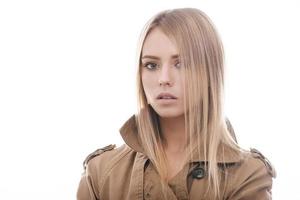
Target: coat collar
x,y
129,133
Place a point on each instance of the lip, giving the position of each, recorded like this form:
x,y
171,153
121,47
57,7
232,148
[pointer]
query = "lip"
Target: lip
x,y
166,94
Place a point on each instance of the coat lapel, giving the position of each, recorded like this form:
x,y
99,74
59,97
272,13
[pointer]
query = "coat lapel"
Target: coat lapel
x,y
136,187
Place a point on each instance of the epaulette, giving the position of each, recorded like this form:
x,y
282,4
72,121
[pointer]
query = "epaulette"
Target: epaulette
x,y
270,167
97,153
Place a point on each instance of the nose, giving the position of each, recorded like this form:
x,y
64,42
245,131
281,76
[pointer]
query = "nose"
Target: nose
x,y
165,76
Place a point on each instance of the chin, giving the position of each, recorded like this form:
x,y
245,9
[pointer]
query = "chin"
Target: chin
x,y
169,112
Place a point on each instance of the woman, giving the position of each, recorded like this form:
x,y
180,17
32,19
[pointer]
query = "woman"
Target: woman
x,y
179,145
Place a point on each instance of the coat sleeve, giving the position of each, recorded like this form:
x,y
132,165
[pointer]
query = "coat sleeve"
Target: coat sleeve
x,y
255,181
89,183
86,188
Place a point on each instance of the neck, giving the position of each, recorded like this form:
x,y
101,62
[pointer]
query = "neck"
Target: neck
x,y
173,131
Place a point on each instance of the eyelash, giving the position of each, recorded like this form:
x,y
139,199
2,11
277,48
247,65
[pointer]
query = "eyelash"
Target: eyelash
x,y
147,63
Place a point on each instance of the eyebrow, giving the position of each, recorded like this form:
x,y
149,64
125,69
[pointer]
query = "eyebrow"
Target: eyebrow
x,y
157,58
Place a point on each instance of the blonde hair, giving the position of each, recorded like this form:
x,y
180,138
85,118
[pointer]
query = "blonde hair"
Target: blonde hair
x,y
201,55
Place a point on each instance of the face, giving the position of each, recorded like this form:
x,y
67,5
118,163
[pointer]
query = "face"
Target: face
x,y
162,75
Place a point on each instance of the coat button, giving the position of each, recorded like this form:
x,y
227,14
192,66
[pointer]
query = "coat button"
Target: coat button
x,y
198,173
147,196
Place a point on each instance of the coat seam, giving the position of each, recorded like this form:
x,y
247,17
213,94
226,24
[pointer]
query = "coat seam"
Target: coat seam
x,y
108,170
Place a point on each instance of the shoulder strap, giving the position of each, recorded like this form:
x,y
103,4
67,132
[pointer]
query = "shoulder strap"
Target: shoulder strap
x,y
270,167
97,153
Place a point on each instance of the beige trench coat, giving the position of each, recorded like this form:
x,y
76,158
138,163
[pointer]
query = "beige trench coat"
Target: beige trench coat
x,y
125,173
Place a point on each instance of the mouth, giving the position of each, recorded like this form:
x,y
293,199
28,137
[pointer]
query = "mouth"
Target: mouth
x,y
166,96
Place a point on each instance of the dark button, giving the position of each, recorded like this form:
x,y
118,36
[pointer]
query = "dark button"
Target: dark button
x,y
147,195
198,173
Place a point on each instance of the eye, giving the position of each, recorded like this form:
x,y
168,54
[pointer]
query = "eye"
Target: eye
x,y
150,66
177,64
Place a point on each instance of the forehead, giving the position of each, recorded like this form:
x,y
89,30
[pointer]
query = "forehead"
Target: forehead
x,y
159,45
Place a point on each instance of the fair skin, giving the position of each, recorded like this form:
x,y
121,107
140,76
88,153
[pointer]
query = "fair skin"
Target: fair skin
x,y
161,72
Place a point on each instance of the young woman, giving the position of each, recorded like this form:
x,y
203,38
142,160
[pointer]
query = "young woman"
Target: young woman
x,y
179,145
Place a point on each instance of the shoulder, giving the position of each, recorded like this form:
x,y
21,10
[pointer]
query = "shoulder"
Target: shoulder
x,y
97,152
106,156
97,167
253,163
252,177
106,160
260,160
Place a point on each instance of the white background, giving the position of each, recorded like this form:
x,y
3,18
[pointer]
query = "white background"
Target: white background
x,y
67,84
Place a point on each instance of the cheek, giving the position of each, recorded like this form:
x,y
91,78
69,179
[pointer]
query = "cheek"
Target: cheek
x,y
144,81
148,86
145,85
147,82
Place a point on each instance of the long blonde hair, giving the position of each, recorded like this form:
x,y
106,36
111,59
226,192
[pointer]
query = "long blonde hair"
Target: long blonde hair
x,y
201,55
